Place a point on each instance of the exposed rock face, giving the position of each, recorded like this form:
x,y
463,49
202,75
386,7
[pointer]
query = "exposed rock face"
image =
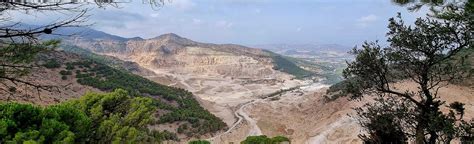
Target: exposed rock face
x,y
170,51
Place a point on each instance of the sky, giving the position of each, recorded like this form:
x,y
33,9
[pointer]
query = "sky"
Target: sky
x,y
251,22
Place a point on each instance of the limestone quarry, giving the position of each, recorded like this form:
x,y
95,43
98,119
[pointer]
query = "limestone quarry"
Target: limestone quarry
x,y
237,71
231,82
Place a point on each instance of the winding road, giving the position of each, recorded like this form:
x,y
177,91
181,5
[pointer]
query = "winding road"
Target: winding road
x,y
242,115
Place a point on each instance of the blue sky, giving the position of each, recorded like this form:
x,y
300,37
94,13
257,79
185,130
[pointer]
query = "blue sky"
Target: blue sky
x,y
248,22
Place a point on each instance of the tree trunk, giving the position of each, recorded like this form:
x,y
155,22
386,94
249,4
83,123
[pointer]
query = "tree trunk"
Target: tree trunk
x,y
433,137
420,136
420,128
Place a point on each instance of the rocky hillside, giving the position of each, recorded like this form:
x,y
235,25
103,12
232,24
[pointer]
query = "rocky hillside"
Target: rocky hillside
x,y
70,76
49,72
170,51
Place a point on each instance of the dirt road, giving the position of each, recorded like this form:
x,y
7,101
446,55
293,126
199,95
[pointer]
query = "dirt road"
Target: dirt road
x,y
242,115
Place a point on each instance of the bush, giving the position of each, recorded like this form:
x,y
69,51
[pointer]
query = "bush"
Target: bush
x,y
279,139
69,66
52,63
199,142
64,77
263,139
338,90
64,72
165,135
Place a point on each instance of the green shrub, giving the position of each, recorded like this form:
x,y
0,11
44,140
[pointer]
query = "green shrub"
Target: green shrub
x,y
165,135
65,72
279,139
199,142
52,63
263,139
69,66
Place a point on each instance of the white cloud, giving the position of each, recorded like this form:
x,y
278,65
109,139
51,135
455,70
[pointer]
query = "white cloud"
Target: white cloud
x,y
183,5
366,20
224,24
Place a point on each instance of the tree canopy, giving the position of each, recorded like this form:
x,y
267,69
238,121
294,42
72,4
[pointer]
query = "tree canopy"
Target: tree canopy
x,y
426,53
112,117
263,139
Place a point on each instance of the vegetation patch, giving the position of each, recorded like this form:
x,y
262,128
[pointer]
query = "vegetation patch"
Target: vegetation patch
x,y
331,72
338,90
52,63
95,118
281,63
199,142
65,72
263,139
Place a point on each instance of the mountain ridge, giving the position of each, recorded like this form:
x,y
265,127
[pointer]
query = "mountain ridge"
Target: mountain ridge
x,y
171,51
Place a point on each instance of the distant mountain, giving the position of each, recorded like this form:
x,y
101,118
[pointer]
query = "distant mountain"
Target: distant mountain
x,y
84,32
305,49
170,51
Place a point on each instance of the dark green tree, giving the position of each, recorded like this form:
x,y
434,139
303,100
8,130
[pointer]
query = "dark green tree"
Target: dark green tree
x,y
117,117
263,139
24,123
199,142
95,118
425,53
